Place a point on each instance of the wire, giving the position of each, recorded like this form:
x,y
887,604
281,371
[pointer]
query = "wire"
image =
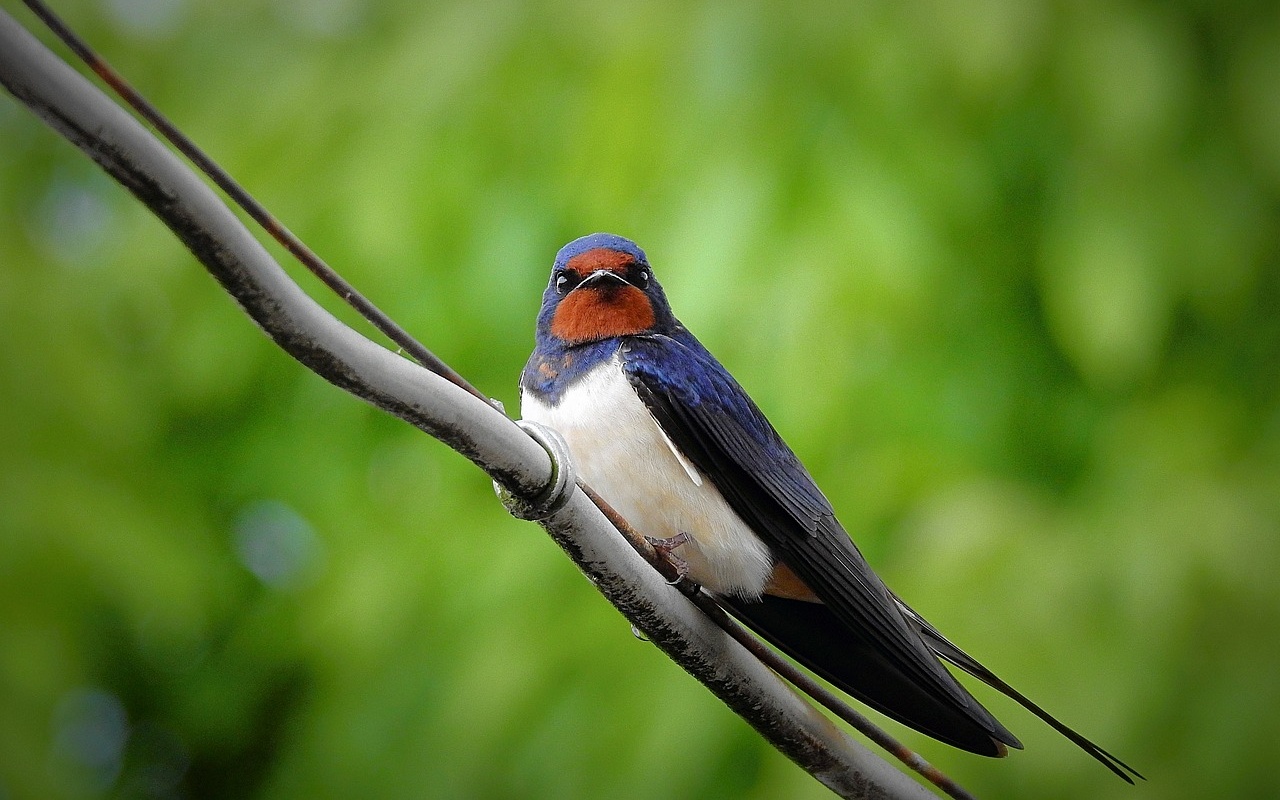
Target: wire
x,y
256,210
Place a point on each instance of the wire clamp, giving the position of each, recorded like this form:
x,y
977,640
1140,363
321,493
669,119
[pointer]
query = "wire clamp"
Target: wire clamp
x,y
558,490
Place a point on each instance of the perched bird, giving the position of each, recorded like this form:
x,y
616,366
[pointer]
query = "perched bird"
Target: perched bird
x,y
663,433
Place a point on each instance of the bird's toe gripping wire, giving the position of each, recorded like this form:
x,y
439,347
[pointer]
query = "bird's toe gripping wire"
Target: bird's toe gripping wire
x,y
558,489
666,550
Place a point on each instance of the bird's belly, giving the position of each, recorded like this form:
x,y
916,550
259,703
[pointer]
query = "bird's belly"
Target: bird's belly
x,y
621,452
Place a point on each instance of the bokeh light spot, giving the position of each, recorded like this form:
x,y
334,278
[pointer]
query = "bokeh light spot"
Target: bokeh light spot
x,y
277,545
91,730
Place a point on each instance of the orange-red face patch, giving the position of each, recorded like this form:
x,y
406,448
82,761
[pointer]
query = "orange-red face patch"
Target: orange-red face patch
x,y
605,310
600,258
602,312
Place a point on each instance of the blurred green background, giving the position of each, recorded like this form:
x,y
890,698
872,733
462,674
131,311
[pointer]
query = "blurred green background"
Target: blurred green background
x,y
1004,274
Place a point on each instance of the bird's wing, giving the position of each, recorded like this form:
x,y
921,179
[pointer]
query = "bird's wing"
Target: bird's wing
x,y
716,425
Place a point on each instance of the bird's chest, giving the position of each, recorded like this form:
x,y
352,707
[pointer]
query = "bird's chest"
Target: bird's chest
x,y
620,450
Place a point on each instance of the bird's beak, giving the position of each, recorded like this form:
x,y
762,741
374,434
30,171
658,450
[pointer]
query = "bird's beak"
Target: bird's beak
x,y
602,277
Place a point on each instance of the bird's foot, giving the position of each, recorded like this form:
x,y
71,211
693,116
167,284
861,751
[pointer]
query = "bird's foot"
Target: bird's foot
x,y
665,548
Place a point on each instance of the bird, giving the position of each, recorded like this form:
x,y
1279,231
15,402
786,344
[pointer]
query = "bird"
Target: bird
x,y
663,433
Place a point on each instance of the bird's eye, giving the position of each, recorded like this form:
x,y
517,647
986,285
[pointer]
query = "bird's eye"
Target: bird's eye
x,y
562,283
642,279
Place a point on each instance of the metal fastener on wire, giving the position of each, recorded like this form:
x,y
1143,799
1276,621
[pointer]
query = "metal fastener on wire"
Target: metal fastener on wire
x,y
558,490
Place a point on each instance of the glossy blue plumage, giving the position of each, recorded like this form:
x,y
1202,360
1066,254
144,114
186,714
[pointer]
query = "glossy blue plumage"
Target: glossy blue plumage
x,y
680,368
555,366
592,241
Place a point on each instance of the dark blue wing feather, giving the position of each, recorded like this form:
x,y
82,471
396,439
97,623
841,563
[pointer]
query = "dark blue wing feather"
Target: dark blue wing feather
x,y
892,660
724,434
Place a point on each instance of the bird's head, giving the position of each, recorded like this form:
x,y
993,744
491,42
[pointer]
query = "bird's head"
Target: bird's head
x,y
602,287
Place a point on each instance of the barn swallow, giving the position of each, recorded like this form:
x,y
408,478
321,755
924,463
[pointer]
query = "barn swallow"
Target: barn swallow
x,y
664,434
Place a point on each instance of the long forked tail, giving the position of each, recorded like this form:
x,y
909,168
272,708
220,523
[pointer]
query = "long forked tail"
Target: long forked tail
x,y
812,635
949,652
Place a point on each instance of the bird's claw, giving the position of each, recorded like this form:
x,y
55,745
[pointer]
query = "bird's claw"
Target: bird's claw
x,y
665,548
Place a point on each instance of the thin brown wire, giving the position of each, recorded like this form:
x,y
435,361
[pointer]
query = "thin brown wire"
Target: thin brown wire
x,y
242,198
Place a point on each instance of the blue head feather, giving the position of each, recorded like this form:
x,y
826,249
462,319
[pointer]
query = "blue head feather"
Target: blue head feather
x,y
609,241
555,363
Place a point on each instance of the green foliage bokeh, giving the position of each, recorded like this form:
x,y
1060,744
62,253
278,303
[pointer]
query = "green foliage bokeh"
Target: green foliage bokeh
x,y
1004,274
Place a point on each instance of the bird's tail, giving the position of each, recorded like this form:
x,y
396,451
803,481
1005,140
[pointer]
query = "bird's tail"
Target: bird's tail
x,y
954,655
813,635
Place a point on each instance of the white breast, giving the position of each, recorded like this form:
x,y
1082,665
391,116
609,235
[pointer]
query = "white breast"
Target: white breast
x,y
623,454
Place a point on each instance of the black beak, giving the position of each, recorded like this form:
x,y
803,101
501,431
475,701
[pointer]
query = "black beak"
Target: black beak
x,y
602,277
